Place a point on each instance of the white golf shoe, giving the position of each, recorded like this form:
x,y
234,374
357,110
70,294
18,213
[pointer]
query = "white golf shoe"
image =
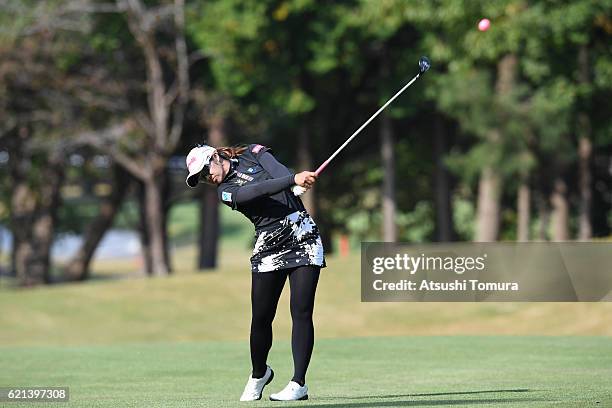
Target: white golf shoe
x,y
292,392
254,387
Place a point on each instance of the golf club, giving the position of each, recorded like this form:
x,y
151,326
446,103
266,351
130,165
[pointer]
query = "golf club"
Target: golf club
x,y
424,65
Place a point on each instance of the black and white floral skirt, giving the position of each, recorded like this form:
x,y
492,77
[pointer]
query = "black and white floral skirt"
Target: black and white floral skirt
x,y
290,242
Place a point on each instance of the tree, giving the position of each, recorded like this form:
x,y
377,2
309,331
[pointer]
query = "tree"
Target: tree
x,y
158,34
40,91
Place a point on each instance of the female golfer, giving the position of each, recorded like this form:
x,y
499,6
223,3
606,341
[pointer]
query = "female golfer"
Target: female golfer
x,y
250,180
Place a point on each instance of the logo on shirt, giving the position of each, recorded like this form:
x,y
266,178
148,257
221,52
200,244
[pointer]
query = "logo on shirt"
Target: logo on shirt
x,y
225,196
250,170
244,176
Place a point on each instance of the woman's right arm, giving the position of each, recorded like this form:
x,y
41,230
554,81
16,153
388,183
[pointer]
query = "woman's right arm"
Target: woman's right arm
x,y
233,195
266,187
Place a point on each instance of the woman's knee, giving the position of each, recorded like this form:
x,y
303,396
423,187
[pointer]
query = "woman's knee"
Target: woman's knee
x,y
262,318
301,311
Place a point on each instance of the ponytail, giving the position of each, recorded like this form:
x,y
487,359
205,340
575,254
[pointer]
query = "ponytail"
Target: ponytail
x,y
231,152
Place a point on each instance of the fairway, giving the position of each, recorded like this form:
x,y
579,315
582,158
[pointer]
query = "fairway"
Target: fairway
x,y
182,341
467,371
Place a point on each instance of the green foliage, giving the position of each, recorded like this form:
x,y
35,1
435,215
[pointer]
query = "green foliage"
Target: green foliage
x,y
413,226
258,50
74,216
416,225
306,68
464,217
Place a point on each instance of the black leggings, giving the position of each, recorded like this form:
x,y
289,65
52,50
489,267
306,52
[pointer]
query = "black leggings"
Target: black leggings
x,y
265,291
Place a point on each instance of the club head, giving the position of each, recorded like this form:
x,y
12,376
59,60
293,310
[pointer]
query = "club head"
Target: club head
x,y
424,64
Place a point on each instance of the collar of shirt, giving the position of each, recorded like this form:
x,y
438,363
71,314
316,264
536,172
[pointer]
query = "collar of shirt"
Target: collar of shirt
x,y
232,170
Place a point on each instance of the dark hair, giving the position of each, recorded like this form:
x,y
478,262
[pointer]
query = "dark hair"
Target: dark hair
x,y
231,152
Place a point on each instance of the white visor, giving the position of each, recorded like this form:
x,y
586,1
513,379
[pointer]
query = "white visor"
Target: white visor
x,y
197,158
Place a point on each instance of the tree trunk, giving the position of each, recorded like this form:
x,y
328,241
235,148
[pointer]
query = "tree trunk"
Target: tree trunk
x,y
487,216
389,228
23,207
44,226
33,212
444,214
585,228
166,189
560,211
524,212
305,163
145,240
490,187
154,211
209,204
585,148
22,214
209,228
78,267
33,225
544,215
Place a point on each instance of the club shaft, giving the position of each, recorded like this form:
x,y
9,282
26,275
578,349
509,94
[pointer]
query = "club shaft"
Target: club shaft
x,y
326,162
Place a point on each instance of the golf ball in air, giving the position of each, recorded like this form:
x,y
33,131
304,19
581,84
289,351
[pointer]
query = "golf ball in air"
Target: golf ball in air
x,y
484,24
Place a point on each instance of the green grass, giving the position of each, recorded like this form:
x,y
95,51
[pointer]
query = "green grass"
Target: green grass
x,y
466,371
193,306
122,339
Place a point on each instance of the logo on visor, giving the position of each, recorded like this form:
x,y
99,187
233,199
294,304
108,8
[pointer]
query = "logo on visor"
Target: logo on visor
x,y
191,161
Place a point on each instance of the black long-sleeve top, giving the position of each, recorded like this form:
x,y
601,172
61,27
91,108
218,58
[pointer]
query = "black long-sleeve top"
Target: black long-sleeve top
x,y
259,187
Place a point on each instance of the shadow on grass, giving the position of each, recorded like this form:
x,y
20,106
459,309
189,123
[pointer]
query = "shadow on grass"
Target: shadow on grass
x,y
437,394
117,276
447,403
421,402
